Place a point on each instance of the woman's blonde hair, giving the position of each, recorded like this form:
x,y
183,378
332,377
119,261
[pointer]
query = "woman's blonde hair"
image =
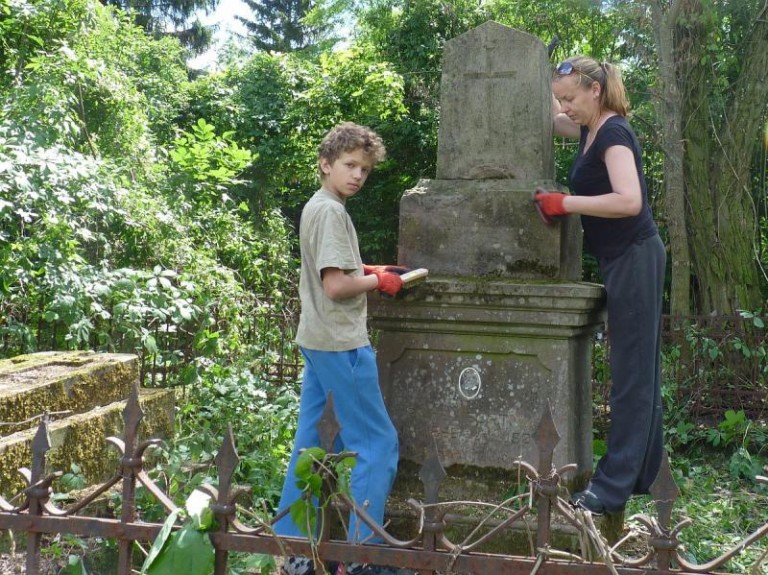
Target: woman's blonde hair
x,y
612,94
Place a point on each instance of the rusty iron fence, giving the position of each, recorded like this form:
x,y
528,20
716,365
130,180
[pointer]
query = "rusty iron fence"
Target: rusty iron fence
x,y
713,364
429,550
721,363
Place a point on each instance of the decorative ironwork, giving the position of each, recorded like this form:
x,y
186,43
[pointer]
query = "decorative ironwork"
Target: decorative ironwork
x,y
430,550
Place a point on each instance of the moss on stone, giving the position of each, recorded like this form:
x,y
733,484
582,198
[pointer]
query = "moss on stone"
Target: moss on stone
x,y
93,387
92,380
81,439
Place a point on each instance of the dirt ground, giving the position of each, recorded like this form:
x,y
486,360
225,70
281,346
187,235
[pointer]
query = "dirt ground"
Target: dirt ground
x,y
15,564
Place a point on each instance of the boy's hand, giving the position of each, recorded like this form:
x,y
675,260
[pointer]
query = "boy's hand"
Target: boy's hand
x,y
389,283
399,270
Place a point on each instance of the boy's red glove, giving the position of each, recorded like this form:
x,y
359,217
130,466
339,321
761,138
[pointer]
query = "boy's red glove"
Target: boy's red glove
x,y
388,276
389,283
399,270
549,204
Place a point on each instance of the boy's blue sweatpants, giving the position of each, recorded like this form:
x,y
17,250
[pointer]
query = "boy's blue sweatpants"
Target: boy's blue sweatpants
x,y
353,379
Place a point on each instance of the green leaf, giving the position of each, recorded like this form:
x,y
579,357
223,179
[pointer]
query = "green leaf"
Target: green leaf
x,y
348,462
188,551
159,543
261,563
74,566
306,460
150,343
304,515
199,511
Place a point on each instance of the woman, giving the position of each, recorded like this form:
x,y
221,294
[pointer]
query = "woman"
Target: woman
x,y
610,194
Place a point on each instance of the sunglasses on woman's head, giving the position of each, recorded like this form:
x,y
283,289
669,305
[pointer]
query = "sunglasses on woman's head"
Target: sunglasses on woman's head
x,y
567,68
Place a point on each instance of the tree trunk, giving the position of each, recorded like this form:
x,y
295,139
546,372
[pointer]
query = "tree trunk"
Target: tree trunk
x,y
720,141
670,116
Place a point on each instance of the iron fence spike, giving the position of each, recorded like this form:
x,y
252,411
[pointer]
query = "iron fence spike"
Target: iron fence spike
x,y
328,427
226,460
665,492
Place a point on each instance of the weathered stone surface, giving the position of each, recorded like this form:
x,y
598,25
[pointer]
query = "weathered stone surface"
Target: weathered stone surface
x,y
501,330
485,228
81,439
495,121
61,381
85,393
471,366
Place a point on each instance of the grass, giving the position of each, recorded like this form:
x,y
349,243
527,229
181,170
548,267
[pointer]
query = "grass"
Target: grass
x,y
723,511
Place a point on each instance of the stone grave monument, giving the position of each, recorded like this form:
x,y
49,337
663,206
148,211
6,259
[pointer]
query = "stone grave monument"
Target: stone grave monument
x,y
503,326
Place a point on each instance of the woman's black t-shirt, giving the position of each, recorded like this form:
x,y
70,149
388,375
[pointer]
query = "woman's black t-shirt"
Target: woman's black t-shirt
x,y
607,238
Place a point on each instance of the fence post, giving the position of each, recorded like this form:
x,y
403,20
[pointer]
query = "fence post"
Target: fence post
x,y
665,492
227,460
37,493
547,438
432,474
130,466
328,428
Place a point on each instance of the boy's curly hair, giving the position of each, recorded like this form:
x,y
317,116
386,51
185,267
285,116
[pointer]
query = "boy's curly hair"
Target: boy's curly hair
x,y
348,137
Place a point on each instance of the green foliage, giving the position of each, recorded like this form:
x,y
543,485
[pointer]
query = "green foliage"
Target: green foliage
x,y
736,437
724,510
105,245
262,417
75,566
171,18
98,86
68,550
280,107
282,26
125,59
187,550
66,226
73,479
741,440
204,165
27,28
314,469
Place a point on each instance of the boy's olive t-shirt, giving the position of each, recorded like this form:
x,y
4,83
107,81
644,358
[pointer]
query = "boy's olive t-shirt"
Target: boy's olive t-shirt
x,y
327,238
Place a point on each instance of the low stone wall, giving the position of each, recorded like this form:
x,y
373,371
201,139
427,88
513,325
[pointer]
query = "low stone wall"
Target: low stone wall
x,y
85,394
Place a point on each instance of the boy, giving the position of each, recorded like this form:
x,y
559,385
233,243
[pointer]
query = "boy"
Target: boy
x,y
333,339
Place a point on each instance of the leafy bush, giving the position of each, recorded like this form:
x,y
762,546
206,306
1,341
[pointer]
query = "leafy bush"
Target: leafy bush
x,y
88,260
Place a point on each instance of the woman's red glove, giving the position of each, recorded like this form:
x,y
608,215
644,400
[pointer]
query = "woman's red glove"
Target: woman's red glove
x,y
549,205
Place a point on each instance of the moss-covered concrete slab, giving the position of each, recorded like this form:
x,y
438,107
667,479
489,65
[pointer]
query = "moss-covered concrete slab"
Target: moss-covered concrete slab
x,y
81,439
61,382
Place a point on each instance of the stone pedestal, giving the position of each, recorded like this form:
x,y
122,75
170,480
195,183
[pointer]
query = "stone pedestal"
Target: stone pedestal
x,y
469,366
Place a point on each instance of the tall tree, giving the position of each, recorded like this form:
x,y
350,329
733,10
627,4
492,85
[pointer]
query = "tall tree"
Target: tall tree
x,y
171,17
713,59
281,26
